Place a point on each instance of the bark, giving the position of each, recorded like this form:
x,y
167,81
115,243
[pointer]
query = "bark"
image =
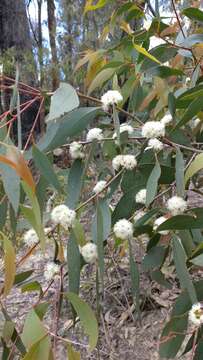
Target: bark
x,y
52,40
40,42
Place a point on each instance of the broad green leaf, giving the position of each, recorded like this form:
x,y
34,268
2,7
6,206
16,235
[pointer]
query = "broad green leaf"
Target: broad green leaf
x,y
170,345
72,354
11,182
100,241
180,185
135,280
68,126
33,332
75,182
3,212
144,52
74,264
64,100
8,330
9,264
32,286
152,183
87,318
100,79
154,258
106,216
193,109
79,233
199,351
195,166
181,268
158,276
198,261
38,351
193,13
44,166
187,241
19,278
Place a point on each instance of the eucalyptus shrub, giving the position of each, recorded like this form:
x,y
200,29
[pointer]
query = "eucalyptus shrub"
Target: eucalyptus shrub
x,y
140,175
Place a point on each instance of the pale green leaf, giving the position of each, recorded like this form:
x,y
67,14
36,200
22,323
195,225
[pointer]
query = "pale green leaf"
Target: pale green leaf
x,y
144,52
195,166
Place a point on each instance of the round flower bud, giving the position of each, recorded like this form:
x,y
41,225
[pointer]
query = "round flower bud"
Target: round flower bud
x,y
76,150
89,252
31,237
100,185
62,215
153,129
123,229
141,196
176,205
111,97
94,134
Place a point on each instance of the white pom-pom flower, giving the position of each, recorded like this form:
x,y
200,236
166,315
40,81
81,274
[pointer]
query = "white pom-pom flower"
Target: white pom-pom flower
x,y
58,152
62,215
141,196
128,162
124,127
89,252
155,144
166,119
158,222
196,314
100,185
94,134
176,205
51,269
111,97
30,237
76,150
139,215
123,229
153,129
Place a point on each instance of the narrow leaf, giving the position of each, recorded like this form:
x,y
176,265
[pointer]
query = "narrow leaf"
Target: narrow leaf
x,y
144,52
152,183
9,262
194,167
180,185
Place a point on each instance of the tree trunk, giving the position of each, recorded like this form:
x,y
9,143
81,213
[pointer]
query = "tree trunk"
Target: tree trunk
x,y
40,42
52,40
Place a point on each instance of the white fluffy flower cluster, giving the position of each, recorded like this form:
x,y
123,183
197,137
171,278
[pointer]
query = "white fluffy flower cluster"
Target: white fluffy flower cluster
x,y
153,129
62,215
31,237
124,127
58,152
111,97
166,119
176,205
141,196
123,229
196,314
158,222
76,150
89,252
51,269
128,162
155,144
100,185
94,134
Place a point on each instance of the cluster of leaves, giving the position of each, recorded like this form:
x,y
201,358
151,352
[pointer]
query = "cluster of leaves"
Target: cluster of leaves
x,y
151,86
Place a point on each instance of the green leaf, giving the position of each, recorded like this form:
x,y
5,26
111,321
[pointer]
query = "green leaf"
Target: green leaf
x,y
64,100
135,280
74,264
44,166
72,354
106,216
199,351
9,264
38,351
100,241
158,276
180,185
79,233
33,332
100,79
19,278
32,286
3,212
144,52
68,126
152,183
87,318
195,166
75,182
181,268
192,110
11,183
89,6
193,13
198,260
154,258
169,344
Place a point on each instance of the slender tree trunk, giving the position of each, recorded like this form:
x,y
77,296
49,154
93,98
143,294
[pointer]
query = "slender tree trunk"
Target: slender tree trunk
x,y
52,40
40,42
